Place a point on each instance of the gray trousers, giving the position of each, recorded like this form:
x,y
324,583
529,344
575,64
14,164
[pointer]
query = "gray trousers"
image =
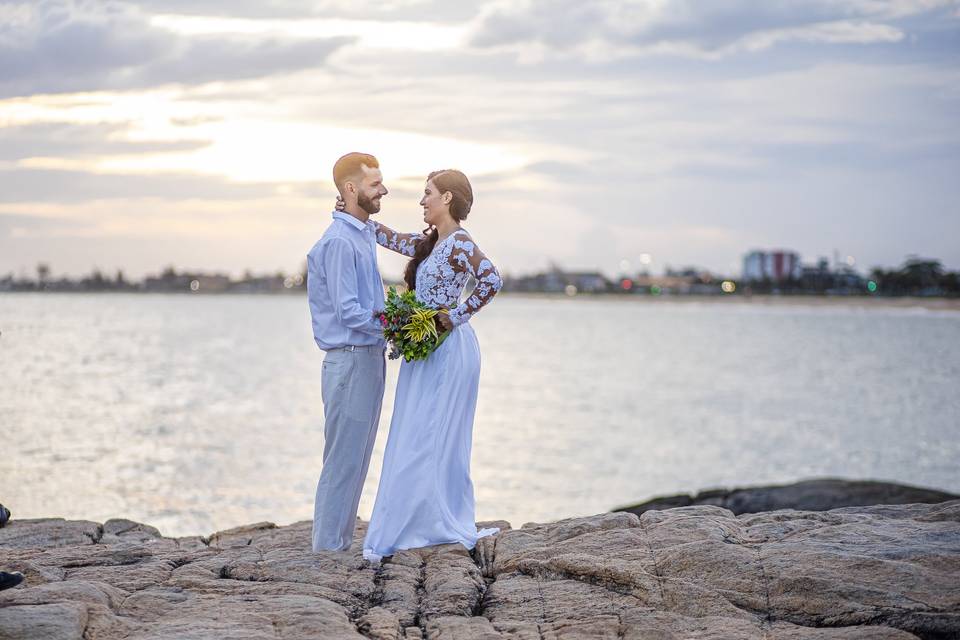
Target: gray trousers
x,y
352,389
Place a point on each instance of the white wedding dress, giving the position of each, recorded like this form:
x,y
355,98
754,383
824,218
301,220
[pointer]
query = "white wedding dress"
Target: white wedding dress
x,y
425,496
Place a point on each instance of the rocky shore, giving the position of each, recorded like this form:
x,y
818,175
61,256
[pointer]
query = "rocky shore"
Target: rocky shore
x,y
817,494
689,572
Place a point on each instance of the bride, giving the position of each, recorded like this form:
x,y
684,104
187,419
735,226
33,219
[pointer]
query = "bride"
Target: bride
x,y
425,495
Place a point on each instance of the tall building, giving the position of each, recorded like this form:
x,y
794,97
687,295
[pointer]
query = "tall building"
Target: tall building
x,y
778,265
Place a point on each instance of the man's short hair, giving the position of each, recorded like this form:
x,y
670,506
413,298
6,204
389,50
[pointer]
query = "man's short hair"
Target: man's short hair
x,y
350,166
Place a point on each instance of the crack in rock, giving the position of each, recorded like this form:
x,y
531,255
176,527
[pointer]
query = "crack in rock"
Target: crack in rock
x,y
653,559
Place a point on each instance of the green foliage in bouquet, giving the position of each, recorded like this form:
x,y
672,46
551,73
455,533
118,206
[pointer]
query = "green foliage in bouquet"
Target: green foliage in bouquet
x,y
410,326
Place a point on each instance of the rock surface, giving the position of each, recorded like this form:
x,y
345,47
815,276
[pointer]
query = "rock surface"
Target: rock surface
x,y
821,494
690,572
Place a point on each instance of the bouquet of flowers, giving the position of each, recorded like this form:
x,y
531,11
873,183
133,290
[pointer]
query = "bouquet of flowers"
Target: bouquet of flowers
x,y
410,326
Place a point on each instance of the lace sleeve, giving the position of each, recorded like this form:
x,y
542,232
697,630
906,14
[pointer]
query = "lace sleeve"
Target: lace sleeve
x,y
403,243
466,256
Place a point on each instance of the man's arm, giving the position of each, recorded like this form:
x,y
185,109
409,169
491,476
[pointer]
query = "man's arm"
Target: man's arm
x,y
341,270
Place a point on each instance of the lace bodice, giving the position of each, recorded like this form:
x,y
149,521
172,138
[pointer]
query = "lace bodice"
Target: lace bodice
x,y
443,274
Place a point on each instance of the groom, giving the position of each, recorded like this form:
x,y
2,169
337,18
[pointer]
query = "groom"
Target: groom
x,y
345,294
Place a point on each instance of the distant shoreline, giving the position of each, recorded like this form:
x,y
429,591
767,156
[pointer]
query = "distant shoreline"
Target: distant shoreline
x,y
770,300
767,300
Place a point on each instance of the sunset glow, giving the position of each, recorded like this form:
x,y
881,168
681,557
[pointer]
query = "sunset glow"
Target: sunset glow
x,y
593,133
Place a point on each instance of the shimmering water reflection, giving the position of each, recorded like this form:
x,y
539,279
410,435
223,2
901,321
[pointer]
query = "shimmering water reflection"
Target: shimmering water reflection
x,y
197,413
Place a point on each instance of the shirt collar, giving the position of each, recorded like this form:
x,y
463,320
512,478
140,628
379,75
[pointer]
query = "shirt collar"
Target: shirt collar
x,y
349,219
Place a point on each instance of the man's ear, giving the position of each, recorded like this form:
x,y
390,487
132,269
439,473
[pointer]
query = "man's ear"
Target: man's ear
x,y
349,187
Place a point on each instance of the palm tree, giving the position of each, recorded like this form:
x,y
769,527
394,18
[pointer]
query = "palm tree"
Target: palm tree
x,y
920,274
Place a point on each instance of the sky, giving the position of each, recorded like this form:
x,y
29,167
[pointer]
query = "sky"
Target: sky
x,y
597,135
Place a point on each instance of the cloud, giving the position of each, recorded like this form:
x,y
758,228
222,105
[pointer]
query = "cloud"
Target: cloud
x,y
608,29
65,46
69,140
72,187
693,154
141,236
405,10
18,226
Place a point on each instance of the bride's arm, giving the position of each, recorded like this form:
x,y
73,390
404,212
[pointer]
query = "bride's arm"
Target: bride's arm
x,y
403,243
466,256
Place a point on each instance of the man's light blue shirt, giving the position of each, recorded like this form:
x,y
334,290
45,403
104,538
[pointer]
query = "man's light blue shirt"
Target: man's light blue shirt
x,y
344,286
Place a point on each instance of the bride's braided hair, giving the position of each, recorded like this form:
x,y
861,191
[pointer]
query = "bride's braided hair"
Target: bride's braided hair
x,y
459,187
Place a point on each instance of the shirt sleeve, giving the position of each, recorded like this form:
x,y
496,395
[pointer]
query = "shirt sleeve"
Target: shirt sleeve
x,y
340,267
466,256
403,243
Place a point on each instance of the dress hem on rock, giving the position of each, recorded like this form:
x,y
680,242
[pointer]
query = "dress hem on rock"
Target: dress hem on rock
x,y
368,554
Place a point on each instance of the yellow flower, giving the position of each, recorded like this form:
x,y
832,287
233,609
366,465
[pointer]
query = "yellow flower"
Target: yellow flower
x,y
421,325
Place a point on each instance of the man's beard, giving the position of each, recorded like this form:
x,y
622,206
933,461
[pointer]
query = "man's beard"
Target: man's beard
x,y
371,206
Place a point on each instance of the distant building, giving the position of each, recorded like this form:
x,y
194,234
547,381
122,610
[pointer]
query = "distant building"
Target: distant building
x,y
170,281
847,280
266,284
665,284
588,281
777,266
817,277
558,281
